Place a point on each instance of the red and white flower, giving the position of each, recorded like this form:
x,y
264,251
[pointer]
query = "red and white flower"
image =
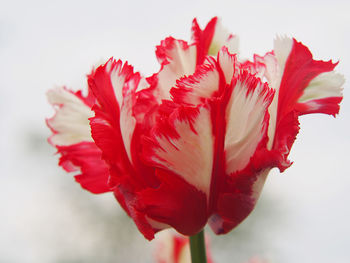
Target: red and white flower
x,y
194,142
175,248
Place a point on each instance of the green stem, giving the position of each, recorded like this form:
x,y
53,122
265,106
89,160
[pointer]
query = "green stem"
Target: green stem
x,y
197,244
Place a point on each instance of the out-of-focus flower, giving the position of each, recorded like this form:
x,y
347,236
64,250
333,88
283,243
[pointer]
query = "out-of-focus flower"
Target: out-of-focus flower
x,y
175,248
194,142
257,260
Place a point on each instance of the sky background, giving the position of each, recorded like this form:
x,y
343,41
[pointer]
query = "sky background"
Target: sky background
x,y
302,215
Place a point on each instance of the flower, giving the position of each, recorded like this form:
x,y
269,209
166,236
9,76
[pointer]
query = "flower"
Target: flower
x,y
193,143
175,248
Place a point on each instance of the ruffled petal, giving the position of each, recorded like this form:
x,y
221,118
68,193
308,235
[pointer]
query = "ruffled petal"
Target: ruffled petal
x,y
303,86
70,124
86,158
301,71
265,68
109,85
197,88
228,64
177,59
117,128
209,81
73,141
239,183
322,95
287,131
210,40
238,104
246,120
182,142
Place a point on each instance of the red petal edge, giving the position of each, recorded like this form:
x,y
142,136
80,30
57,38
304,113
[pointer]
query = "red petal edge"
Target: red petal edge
x,y
300,69
86,157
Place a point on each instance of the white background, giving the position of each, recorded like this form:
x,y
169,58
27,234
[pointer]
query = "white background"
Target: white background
x,y
303,213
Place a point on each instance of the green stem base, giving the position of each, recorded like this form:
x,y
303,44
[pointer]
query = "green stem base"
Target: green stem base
x,y
197,245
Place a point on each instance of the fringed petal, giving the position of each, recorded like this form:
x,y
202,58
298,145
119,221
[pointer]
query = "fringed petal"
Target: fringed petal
x,y
72,138
107,83
70,124
197,88
86,158
211,39
305,86
182,142
177,59
246,120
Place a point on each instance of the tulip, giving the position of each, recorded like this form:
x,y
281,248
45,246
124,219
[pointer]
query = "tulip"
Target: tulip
x,y
175,248
193,143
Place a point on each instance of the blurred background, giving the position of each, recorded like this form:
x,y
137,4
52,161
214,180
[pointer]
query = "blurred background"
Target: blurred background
x,y
302,215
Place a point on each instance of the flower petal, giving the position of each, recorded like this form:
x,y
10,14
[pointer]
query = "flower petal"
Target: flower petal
x,y
125,194
228,64
182,143
108,83
238,197
70,124
322,95
265,68
176,203
247,120
301,71
210,40
117,129
303,85
209,81
177,59
73,141
196,88
238,104
86,157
